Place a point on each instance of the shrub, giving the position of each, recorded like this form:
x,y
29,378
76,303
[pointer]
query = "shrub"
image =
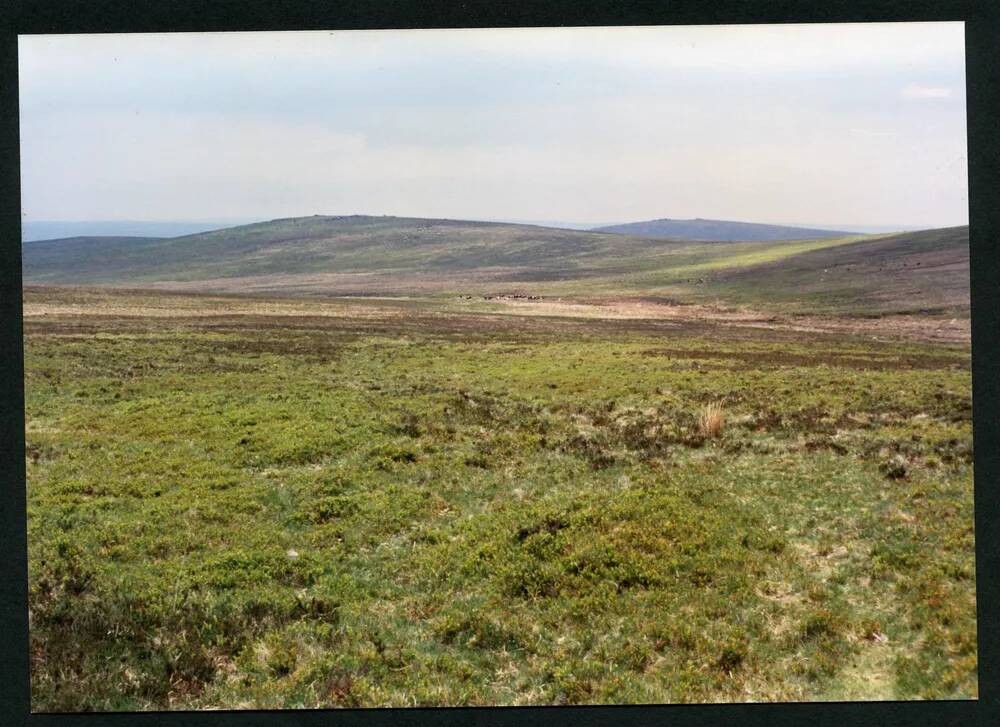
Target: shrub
x,y
821,622
732,656
895,467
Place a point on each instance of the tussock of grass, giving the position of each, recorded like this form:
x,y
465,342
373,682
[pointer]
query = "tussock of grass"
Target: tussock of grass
x,y
711,420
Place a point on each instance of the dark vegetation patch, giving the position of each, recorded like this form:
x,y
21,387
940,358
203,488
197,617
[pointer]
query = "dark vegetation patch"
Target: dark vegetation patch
x,y
869,361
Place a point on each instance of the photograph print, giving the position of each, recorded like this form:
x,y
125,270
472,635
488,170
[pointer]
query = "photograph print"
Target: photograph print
x,y
497,367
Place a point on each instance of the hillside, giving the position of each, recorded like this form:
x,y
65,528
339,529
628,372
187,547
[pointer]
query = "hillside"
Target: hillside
x,y
923,272
363,254
410,256
718,230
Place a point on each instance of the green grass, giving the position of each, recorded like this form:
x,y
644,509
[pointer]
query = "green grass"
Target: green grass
x,y
432,507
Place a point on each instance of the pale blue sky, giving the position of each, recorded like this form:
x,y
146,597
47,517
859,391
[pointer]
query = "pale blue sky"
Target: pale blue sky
x,y
835,124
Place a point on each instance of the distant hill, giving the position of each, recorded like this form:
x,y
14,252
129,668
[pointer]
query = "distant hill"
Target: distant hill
x,y
718,230
364,255
351,254
32,230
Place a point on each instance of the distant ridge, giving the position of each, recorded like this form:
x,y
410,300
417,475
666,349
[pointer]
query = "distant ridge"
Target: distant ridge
x,y
34,230
350,247
925,271
719,230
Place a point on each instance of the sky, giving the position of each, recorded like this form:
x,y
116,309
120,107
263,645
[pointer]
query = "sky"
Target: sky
x,y
849,124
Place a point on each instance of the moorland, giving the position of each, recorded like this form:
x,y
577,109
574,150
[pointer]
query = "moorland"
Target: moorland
x,y
367,461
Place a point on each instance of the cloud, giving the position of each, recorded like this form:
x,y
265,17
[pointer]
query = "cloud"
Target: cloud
x,y
761,122
813,46
869,132
917,91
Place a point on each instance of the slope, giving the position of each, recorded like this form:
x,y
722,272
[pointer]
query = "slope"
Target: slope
x,y
396,247
914,272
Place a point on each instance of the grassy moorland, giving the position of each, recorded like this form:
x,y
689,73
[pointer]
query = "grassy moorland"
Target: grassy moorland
x,y
240,502
925,272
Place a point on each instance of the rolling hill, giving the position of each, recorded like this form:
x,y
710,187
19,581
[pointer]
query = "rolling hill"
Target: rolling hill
x,y
718,230
360,255
297,250
923,272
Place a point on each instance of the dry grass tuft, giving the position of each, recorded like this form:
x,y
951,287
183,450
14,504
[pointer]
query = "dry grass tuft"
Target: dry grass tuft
x,y
712,419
